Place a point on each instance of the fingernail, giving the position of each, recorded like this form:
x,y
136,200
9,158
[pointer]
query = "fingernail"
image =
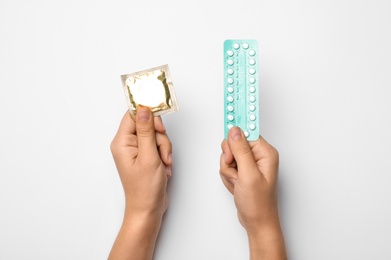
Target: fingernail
x,y
236,134
170,158
143,114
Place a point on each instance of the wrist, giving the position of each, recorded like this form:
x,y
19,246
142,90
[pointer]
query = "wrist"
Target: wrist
x,y
145,221
265,234
146,207
267,242
264,227
137,237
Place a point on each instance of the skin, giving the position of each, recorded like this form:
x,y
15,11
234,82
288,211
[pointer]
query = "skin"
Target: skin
x,y
142,153
249,171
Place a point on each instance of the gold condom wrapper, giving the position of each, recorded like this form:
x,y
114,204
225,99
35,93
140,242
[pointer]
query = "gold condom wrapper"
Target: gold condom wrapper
x,y
152,88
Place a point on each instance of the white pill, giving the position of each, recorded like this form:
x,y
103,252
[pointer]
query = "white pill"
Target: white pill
x,y
230,89
252,126
230,71
230,53
252,98
245,45
252,89
252,108
251,52
230,117
246,133
251,71
252,62
230,62
230,80
230,126
236,46
230,98
230,108
252,80
252,117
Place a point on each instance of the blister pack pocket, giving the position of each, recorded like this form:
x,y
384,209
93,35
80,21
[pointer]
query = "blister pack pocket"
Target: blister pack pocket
x,y
241,89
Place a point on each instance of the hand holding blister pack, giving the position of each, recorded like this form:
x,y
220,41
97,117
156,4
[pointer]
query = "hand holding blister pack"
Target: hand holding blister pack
x,y
151,88
241,87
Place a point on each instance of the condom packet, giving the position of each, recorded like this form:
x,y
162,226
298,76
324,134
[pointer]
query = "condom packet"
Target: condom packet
x,y
151,88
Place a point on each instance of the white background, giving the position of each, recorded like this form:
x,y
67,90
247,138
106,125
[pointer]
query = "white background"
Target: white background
x,y
324,101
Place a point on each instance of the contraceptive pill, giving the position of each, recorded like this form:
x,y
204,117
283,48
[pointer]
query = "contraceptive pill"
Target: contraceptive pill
x,y
241,87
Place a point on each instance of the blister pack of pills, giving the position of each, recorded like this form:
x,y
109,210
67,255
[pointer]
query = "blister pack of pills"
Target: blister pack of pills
x,y
152,88
241,87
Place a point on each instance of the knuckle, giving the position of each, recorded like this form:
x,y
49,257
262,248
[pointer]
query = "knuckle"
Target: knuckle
x,y
222,161
144,130
113,146
167,143
273,153
243,150
222,173
246,151
163,142
223,144
268,150
225,147
221,170
149,163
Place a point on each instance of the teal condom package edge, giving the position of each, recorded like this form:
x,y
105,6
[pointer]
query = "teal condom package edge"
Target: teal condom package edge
x,y
241,88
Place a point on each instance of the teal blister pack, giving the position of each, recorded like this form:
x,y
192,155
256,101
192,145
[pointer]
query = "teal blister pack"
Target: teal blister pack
x,y
241,90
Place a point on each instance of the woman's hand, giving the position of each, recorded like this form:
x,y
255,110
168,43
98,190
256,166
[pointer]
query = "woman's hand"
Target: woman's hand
x,y
142,154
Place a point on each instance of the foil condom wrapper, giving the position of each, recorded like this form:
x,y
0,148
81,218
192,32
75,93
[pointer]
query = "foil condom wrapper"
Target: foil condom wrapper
x,y
152,88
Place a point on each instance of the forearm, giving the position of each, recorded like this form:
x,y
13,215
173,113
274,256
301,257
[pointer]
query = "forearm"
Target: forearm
x,y
137,237
267,243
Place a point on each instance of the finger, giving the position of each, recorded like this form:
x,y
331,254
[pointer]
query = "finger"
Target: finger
x,y
264,149
124,138
267,159
165,148
227,171
228,184
127,125
159,126
145,133
168,170
241,150
229,158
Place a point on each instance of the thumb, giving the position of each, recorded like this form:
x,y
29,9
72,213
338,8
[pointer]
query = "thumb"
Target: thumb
x,y
241,150
145,132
